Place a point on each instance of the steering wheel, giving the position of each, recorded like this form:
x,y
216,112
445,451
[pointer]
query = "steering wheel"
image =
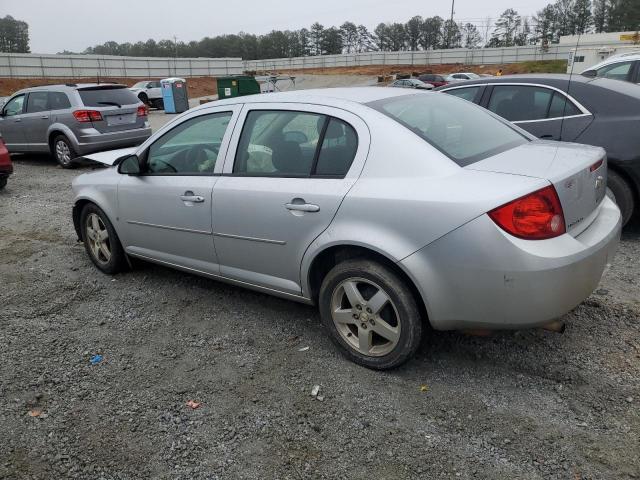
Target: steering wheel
x,y
166,164
201,158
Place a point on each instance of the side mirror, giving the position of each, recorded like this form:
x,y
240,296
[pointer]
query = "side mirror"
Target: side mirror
x,y
590,73
129,165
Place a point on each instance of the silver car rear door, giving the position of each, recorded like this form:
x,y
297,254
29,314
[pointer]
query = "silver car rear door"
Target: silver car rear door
x,y
165,213
263,222
36,121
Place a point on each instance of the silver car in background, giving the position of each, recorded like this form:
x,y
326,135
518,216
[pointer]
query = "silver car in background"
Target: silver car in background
x,y
72,120
388,209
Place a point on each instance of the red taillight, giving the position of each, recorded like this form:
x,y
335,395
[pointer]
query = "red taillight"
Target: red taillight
x,y
536,216
143,111
596,165
84,116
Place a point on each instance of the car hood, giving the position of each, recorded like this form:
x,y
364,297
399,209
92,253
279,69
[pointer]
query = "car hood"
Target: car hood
x,y
111,156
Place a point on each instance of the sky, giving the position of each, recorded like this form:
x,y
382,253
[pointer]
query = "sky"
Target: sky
x,y
57,25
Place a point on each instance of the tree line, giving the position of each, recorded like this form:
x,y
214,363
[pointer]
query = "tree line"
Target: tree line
x,y
14,35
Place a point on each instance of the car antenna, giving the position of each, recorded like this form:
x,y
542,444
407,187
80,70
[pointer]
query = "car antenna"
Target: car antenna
x,y
566,100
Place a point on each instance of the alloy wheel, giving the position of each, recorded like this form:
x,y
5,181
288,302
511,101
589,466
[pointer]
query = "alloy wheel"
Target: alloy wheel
x,y
63,153
365,316
98,238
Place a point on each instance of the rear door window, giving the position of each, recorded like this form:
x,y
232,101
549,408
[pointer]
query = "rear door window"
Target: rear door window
x,y
37,102
58,101
519,103
105,97
338,149
561,106
467,93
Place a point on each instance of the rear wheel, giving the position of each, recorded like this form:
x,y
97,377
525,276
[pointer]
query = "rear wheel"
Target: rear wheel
x,y
64,152
159,104
370,313
101,241
620,192
3,182
144,99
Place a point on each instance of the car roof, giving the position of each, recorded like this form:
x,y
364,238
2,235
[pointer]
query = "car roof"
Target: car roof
x,y
619,58
67,86
329,96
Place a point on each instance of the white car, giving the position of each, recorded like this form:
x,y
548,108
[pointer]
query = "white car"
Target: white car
x,y
461,77
625,67
149,92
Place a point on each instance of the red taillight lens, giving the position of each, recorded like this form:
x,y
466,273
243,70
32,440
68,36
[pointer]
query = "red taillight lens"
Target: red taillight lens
x,y
143,111
84,116
596,165
536,216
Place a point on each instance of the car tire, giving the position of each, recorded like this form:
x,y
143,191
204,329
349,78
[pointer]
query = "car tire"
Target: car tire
x,y
159,104
101,240
350,302
63,152
3,182
622,195
144,99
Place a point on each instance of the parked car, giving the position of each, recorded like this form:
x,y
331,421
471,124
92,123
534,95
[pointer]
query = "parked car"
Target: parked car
x,y
6,167
624,67
71,120
385,207
435,80
412,83
461,76
600,112
149,92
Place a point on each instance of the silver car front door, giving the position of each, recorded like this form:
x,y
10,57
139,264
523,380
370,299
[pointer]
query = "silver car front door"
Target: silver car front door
x,y
11,124
281,187
165,213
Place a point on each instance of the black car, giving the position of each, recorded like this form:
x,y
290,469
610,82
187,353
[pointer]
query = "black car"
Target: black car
x,y
593,111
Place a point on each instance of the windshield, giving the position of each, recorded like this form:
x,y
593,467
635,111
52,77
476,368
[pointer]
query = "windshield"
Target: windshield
x,y
461,130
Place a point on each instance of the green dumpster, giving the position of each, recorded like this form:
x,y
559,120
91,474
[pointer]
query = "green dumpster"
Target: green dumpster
x,y
237,86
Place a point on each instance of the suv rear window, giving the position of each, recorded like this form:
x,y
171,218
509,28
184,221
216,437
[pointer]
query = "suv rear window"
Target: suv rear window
x,y
461,130
107,96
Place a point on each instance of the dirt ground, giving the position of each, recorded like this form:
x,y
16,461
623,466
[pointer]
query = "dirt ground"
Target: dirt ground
x,y
519,405
198,86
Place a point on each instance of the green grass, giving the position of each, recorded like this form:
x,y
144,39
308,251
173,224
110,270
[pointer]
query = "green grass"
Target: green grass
x,y
542,66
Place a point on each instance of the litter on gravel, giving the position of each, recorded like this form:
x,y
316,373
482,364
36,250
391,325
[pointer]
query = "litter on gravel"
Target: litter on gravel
x,y
192,404
96,359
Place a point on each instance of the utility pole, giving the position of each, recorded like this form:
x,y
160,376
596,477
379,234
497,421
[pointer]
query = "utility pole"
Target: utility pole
x,y
453,2
175,55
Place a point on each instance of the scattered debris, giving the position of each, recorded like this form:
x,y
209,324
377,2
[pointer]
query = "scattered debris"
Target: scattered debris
x,y
37,413
192,404
303,349
96,359
320,398
315,390
424,388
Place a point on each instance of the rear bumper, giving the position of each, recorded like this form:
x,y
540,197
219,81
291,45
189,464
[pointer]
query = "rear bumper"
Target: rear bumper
x,y
478,276
95,141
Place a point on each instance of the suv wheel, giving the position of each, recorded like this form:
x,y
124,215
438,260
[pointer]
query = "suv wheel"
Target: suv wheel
x,y
64,152
3,182
101,241
370,313
620,192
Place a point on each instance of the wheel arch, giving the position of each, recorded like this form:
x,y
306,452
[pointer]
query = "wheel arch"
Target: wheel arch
x,y
76,212
324,260
58,129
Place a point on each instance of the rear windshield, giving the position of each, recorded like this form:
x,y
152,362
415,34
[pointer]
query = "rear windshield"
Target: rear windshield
x,y
107,96
461,130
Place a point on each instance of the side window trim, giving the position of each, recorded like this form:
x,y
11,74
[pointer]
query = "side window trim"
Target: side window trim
x,y
224,144
569,98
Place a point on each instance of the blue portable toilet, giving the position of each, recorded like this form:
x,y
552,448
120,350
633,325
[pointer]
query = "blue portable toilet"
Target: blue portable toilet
x,y
174,95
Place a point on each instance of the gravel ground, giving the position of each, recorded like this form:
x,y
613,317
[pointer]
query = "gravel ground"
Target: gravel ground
x,y
526,405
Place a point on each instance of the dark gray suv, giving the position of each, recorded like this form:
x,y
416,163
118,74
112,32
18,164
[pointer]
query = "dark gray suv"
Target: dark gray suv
x,y
72,120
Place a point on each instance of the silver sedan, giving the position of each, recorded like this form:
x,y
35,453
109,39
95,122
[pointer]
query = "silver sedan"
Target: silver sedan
x,y
388,209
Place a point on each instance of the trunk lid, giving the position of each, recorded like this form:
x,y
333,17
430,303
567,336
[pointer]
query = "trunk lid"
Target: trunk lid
x,y
117,105
578,173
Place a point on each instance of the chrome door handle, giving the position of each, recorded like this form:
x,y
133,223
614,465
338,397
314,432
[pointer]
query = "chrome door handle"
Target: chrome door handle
x,y
17,120
189,196
45,117
302,207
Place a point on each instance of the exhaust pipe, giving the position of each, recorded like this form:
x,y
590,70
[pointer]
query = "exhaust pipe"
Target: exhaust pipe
x,y
556,326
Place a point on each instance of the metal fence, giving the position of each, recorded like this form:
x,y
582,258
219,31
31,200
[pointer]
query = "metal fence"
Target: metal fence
x,y
467,56
79,66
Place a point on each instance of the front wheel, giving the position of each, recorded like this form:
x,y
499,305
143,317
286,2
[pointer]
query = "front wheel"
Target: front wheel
x,y
370,313
620,192
3,182
101,241
63,151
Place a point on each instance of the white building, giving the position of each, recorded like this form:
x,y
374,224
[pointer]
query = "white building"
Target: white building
x,y
593,48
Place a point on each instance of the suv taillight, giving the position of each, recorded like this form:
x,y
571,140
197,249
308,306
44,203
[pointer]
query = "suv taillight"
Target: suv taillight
x,y
537,216
143,111
84,116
